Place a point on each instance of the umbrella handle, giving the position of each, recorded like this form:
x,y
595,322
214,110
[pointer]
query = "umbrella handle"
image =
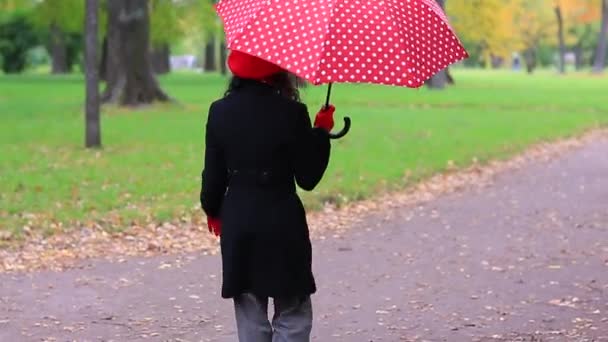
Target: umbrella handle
x,y
344,130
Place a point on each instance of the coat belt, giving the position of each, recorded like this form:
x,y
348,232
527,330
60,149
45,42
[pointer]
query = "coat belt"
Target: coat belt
x,y
261,177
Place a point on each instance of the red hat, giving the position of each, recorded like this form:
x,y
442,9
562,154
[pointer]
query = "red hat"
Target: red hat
x,y
248,66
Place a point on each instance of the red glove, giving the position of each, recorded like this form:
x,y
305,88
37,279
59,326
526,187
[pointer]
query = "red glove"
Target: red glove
x,y
325,118
215,225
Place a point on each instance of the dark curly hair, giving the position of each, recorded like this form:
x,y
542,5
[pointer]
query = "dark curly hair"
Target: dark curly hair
x,y
284,82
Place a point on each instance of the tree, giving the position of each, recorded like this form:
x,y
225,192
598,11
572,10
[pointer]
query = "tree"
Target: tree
x,y
164,30
64,48
17,36
103,59
493,29
487,28
561,39
440,79
223,58
129,76
583,42
602,44
62,20
92,124
160,56
575,20
202,28
11,6
210,60
536,24
581,25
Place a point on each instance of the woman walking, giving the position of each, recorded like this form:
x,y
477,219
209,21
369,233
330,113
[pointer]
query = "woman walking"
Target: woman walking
x,y
260,145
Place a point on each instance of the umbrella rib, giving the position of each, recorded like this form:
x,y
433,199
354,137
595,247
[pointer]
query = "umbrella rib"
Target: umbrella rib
x,y
404,47
440,12
322,54
249,22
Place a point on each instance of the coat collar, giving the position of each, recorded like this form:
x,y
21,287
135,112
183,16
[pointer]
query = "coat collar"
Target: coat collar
x,y
256,85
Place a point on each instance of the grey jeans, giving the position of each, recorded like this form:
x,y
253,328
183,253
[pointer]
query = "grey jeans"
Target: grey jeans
x,y
292,320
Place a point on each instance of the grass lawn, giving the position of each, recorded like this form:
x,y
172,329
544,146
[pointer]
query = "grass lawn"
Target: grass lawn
x,y
149,168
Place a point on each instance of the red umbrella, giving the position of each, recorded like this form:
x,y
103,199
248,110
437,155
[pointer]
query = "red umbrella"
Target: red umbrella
x,y
393,42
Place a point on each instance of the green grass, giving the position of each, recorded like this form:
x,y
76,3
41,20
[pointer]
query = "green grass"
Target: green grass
x,y
149,168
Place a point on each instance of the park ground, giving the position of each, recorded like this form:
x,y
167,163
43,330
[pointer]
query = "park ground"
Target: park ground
x,y
519,255
426,227
149,168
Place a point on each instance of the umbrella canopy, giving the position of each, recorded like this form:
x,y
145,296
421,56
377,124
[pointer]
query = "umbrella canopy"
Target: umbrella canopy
x,y
393,42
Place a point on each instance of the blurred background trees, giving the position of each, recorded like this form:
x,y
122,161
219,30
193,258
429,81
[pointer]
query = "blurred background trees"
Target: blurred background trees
x,y
514,33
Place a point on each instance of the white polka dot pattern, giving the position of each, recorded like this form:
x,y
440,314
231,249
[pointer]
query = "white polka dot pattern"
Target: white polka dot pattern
x,y
394,42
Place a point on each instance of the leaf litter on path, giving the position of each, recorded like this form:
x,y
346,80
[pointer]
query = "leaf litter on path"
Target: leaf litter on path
x,y
189,233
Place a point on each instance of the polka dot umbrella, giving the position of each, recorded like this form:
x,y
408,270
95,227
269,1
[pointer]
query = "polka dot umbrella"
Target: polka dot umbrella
x,y
391,42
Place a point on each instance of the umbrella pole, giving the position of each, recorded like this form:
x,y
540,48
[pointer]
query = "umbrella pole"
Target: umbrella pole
x,y
346,128
328,95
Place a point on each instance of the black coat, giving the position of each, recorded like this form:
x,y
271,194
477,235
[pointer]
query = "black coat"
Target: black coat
x,y
259,145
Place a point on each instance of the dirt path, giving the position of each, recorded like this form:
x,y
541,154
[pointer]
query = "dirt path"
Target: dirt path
x,y
524,259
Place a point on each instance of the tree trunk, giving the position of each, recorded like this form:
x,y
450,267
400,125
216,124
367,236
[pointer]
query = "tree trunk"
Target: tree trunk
x,y
130,80
92,124
530,59
73,49
448,75
440,79
496,62
578,56
579,48
58,49
161,59
223,57
210,55
600,54
560,37
103,62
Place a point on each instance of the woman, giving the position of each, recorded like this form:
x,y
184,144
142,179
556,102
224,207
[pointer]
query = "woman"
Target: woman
x,y
259,144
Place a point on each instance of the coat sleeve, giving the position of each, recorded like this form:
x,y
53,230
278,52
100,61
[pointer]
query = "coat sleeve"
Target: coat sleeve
x,y
311,156
214,175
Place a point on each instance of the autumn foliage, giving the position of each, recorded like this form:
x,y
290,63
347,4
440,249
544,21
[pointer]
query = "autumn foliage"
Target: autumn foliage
x,y
494,29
